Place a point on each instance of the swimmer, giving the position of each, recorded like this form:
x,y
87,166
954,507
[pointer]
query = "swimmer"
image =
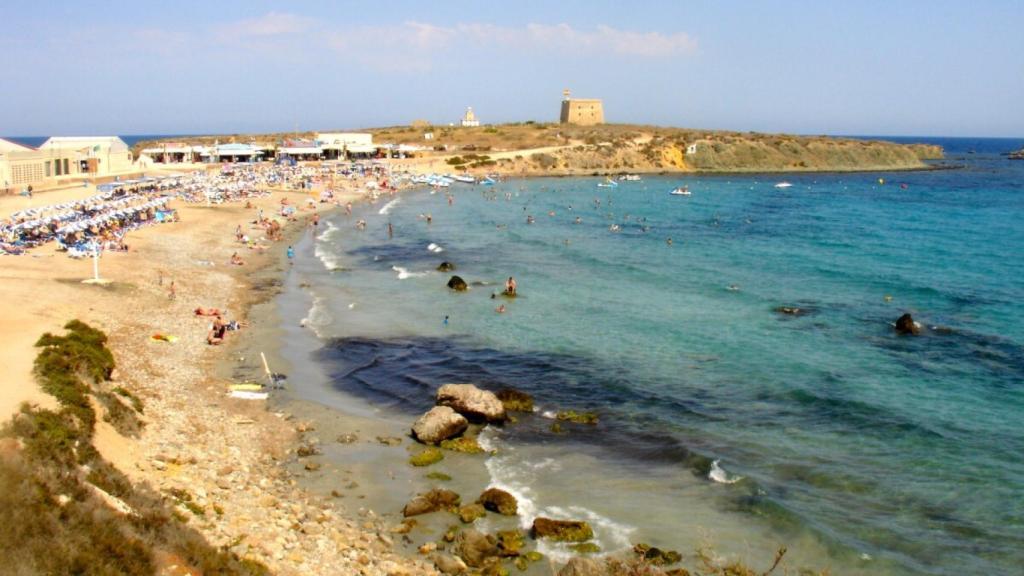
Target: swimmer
x,y
500,309
578,220
733,288
668,241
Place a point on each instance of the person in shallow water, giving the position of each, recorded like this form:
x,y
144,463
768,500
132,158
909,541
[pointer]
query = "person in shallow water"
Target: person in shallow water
x,y
510,286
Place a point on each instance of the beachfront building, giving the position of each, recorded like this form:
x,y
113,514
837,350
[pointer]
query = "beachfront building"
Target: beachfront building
x,y
300,150
469,120
338,145
581,111
62,158
87,155
232,152
174,153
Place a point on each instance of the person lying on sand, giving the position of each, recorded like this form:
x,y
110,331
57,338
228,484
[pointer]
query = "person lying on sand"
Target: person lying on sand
x,y
208,311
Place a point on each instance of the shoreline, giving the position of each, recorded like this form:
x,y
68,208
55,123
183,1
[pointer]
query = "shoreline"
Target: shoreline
x,y
227,453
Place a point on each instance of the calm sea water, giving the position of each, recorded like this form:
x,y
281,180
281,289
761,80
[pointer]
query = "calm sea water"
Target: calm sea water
x,y
721,420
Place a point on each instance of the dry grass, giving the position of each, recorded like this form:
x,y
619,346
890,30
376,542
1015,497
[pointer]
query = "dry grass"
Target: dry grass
x,y
52,520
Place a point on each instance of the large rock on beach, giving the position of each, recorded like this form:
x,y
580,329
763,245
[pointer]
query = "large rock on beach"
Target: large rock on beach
x,y
458,284
905,325
440,423
473,403
475,547
436,499
497,500
561,530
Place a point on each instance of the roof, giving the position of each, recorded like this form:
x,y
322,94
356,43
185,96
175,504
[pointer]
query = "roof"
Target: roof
x,y
300,149
9,146
114,142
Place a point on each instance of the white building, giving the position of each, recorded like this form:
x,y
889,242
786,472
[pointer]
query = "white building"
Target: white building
x,y
342,144
470,120
61,158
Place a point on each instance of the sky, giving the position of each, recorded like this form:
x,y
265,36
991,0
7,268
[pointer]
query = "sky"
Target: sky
x,y
936,68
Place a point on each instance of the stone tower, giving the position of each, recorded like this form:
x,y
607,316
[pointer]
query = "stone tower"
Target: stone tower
x,y
581,111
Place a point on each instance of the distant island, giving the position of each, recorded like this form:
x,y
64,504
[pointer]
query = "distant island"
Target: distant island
x,y
1018,155
558,149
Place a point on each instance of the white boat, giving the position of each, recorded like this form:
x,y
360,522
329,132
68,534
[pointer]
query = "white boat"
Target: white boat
x,y
783,185
630,177
608,183
487,181
680,191
464,178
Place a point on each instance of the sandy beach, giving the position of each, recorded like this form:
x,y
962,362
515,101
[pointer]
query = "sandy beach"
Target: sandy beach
x,y
227,453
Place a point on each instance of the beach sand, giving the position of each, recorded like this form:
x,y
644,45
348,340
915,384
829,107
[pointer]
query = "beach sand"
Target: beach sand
x,y
228,453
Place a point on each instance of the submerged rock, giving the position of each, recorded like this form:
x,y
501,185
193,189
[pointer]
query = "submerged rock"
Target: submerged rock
x,y
657,556
475,547
458,284
561,530
473,403
500,501
471,513
426,457
446,267
905,325
439,424
510,542
465,444
515,401
436,499
577,417
585,548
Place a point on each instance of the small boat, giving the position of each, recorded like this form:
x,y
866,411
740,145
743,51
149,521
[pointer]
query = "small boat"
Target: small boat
x,y
783,185
464,178
488,181
608,183
680,191
630,177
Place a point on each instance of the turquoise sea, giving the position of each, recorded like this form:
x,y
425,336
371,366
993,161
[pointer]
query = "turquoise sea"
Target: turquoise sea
x,y
722,421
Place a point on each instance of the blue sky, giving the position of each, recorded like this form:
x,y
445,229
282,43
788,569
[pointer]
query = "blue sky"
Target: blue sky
x,y
869,67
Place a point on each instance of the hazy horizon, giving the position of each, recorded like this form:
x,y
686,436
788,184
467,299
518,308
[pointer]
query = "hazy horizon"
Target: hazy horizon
x,y
939,69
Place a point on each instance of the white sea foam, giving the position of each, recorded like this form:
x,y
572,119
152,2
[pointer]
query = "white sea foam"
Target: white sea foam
x,y
386,209
404,273
330,232
318,316
549,414
718,474
327,258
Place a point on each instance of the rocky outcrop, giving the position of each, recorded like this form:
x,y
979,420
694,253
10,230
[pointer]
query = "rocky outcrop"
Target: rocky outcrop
x,y
475,404
561,530
458,284
515,400
905,325
438,424
436,499
500,501
446,267
475,547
